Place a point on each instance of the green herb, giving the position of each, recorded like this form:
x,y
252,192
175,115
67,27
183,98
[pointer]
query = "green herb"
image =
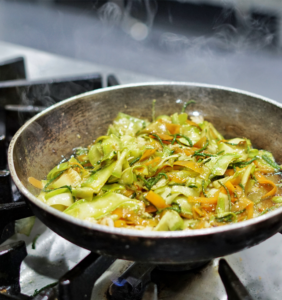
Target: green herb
x,y
192,186
153,180
228,218
228,194
202,149
88,168
206,161
241,185
176,207
158,138
254,177
271,162
146,183
185,137
203,154
239,211
133,195
135,161
51,180
154,110
270,209
36,292
64,186
34,242
220,152
180,184
186,104
243,164
203,188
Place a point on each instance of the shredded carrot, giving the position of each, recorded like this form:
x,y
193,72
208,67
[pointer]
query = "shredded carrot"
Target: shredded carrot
x,y
249,206
156,200
193,123
230,186
250,211
120,223
189,164
76,163
172,128
200,212
262,180
201,142
35,182
229,172
208,207
119,212
188,152
150,208
147,154
153,162
235,180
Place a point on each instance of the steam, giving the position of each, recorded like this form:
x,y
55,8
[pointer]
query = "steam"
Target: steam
x,y
110,14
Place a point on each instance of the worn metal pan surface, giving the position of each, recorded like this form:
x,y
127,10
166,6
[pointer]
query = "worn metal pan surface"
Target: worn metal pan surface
x,y
40,144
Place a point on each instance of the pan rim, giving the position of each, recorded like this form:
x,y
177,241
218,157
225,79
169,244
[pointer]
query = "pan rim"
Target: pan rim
x,y
125,231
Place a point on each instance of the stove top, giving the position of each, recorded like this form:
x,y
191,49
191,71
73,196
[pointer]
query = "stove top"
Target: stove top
x,y
46,266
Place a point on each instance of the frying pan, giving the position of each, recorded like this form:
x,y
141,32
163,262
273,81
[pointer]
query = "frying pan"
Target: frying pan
x,y
40,144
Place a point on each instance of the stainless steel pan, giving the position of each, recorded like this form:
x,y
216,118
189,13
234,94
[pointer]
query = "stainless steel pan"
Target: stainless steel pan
x,y
39,145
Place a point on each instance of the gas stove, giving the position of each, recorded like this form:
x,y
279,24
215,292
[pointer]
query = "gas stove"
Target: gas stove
x,y
46,266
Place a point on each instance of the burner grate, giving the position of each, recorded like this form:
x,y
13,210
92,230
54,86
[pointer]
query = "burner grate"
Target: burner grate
x,y
13,94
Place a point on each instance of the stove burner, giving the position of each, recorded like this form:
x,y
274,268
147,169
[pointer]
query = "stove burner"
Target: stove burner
x,y
132,283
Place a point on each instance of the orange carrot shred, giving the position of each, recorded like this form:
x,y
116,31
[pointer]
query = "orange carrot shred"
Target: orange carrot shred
x,y
201,142
35,182
189,164
156,200
172,128
120,223
192,123
153,162
262,180
147,154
